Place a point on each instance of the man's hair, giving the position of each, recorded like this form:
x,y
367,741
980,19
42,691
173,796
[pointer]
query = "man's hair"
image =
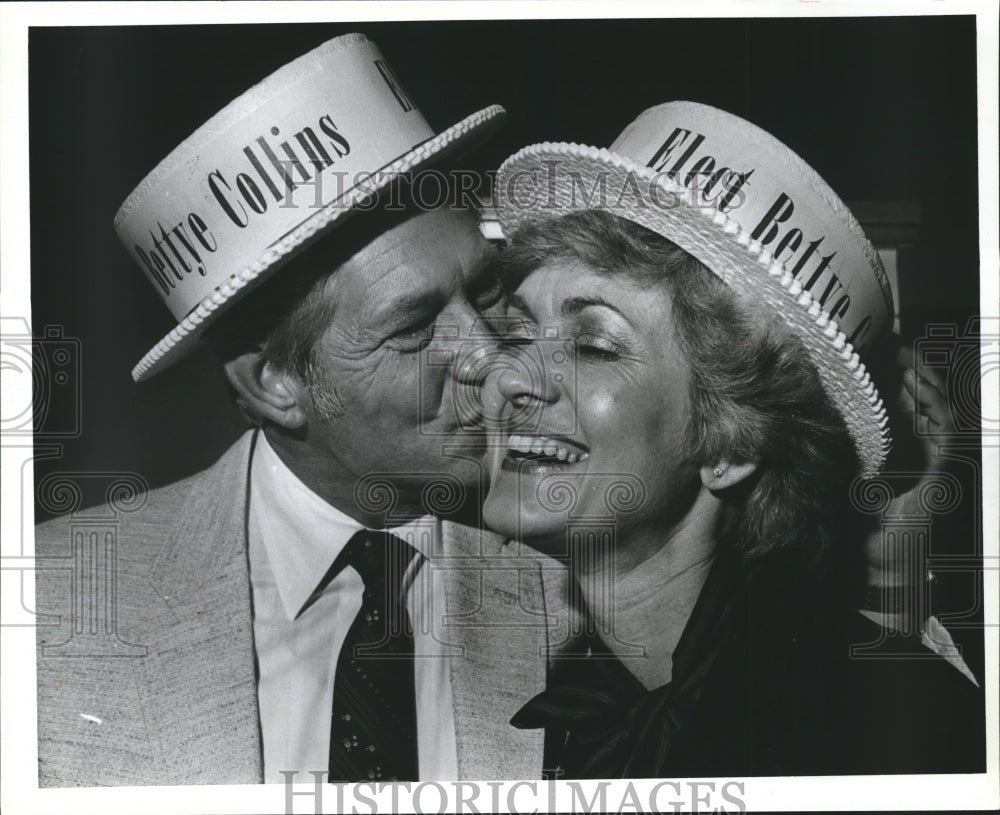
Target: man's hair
x,y
285,319
754,394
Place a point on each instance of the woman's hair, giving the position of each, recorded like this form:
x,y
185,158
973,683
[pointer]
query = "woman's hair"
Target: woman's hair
x,y
754,394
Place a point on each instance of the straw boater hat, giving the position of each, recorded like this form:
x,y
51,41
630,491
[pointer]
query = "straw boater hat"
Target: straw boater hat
x,y
750,210
274,170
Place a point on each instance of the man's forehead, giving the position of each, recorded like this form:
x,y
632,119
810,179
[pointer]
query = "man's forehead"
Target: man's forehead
x,y
435,232
425,256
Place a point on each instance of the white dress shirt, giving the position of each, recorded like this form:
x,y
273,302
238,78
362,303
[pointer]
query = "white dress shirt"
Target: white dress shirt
x,y
294,538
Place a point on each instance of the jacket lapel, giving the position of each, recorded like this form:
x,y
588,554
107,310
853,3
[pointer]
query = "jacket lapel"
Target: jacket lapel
x,y
496,601
505,610
200,683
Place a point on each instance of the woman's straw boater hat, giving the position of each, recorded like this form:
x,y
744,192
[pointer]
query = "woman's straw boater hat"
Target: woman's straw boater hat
x,y
750,210
270,173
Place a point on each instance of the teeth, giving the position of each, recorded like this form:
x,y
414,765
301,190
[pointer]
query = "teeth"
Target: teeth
x,y
542,445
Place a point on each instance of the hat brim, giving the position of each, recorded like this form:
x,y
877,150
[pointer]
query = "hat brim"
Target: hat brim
x,y
656,202
183,339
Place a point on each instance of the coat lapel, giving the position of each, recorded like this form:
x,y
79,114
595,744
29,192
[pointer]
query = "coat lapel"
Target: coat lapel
x,y
200,680
505,611
496,601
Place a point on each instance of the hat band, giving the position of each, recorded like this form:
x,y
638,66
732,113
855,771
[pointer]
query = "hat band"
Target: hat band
x,y
783,204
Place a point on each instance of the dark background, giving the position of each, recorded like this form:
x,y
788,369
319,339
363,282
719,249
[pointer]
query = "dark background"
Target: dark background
x,y
883,108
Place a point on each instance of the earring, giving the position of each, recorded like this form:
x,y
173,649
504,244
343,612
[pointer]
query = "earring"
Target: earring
x,y
718,472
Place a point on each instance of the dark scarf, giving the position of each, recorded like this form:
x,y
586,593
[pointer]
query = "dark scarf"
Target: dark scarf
x,y
601,722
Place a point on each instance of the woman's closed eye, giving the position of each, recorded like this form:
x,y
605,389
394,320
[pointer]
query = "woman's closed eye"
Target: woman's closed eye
x,y
596,348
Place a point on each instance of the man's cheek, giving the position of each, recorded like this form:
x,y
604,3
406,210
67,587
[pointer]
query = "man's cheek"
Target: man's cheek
x,y
400,391
367,383
427,387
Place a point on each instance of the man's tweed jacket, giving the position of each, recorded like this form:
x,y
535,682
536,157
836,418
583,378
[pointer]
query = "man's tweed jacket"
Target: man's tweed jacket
x,y
180,705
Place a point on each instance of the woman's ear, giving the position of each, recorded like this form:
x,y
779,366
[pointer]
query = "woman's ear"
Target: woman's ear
x,y
267,392
723,474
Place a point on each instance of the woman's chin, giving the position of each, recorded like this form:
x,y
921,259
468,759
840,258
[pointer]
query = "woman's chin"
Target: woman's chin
x,y
500,513
542,530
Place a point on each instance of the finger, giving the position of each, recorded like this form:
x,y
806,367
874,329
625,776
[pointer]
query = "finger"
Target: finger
x,y
930,379
934,419
917,395
923,425
923,390
905,356
935,408
923,403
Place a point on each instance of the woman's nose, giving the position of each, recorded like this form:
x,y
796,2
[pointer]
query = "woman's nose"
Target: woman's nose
x,y
516,387
520,383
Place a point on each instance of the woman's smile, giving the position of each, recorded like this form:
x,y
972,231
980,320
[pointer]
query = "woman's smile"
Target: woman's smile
x,y
542,454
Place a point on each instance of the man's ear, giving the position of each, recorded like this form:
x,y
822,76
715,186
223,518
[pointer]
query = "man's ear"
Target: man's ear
x,y
723,474
266,391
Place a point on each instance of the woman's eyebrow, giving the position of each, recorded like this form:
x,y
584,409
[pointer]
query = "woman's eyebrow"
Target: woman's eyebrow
x,y
572,306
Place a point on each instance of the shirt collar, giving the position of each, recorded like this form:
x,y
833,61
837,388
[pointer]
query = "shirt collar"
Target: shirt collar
x,y
303,534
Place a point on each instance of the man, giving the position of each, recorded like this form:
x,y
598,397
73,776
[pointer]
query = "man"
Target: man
x,y
346,317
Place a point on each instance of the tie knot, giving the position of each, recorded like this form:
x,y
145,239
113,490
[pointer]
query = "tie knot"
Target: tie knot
x,y
380,558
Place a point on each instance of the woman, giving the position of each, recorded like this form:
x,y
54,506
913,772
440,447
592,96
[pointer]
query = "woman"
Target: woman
x,y
682,423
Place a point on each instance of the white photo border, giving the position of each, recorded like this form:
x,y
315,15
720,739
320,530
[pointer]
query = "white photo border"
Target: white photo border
x,y
19,786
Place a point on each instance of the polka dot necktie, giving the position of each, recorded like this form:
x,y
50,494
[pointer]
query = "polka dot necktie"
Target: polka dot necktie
x,y
373,733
